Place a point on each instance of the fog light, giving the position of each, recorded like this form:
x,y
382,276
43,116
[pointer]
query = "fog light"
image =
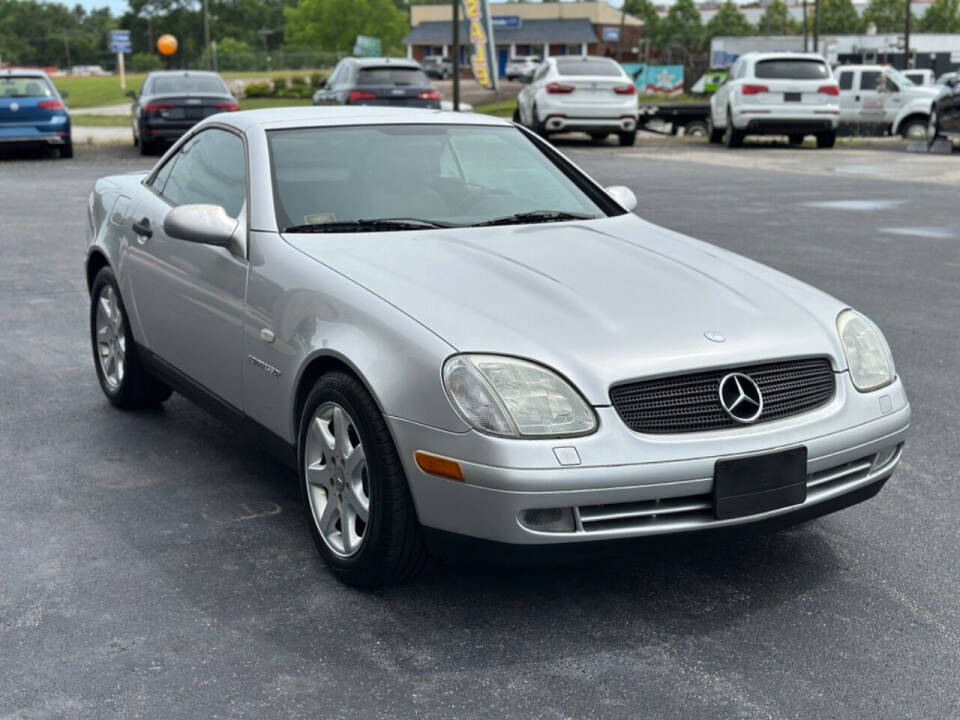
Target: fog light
x,y
548,519
884,457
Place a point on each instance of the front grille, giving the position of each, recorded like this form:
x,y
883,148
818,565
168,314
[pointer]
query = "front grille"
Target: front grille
x,y
691,403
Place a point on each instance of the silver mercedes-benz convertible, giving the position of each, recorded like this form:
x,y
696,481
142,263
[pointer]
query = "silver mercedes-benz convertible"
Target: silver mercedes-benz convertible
x,y
466,345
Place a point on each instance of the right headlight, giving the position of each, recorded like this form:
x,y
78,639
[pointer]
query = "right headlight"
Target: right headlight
x,y
510,397
868,355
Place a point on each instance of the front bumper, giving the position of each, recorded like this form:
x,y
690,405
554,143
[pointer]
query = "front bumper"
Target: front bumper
x,y
630,485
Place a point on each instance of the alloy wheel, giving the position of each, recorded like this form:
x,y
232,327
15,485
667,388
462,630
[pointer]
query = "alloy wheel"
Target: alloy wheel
x,y
338,486
111,338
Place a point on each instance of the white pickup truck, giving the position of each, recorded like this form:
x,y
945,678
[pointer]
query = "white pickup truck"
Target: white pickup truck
x,y
883,98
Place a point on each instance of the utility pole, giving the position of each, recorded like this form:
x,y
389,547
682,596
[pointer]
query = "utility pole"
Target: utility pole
x,y
806,47
206,30
456,55
816,25
906,39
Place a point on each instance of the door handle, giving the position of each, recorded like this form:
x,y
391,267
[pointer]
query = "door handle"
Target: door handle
x,y
857,98
142,228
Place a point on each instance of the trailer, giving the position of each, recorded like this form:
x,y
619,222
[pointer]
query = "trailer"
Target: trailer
x,y
690,116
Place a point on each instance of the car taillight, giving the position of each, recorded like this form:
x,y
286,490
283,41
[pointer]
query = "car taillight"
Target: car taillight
x,y
228,106
829,89
754,89
153,108
429,95
355,95
555,88
626,89
50,105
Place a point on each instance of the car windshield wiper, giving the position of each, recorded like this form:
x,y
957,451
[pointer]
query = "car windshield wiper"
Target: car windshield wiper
x,y
536,216
368,225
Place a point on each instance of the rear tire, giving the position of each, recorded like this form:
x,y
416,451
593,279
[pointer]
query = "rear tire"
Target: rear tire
x,y
733,138
827,140
516,116
388,547
66,150
122,377
796,139
539,127
627,139
599,137
714,134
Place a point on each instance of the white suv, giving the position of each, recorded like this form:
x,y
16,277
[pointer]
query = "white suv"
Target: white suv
x,y
580,93
518,67
792,94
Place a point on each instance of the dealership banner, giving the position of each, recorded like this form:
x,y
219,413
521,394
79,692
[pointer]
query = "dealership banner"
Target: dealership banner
x,y
483,58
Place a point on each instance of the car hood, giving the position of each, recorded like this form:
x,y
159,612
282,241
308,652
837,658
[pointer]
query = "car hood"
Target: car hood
x,y
601,301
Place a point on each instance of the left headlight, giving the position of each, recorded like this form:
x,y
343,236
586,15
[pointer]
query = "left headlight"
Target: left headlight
x,y
868,355
510,397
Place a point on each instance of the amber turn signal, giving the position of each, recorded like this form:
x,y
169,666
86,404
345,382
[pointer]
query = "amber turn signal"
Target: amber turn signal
x,y
439,466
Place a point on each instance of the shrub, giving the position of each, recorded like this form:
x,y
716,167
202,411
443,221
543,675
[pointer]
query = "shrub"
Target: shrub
x,y
298,81
299,91
279,83
257,89
317,79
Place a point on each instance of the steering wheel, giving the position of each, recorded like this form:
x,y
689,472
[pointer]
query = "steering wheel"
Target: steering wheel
x,y
475,196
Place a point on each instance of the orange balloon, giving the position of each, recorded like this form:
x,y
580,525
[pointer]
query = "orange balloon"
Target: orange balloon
x,y
167,44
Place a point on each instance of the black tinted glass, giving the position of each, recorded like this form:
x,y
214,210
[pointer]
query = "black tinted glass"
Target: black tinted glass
x,y
791,70
391,76
869,79
211,168
846,81
170,85
588,67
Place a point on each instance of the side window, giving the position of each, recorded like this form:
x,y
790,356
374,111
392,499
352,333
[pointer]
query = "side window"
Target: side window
x,y
869,80
336,76
542,72
210,168
846,80
161,179
890,85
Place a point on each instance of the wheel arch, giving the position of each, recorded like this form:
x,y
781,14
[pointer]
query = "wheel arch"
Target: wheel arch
x,y
96,261
913,115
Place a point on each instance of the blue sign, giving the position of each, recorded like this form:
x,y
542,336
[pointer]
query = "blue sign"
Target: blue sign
x,y
611,34
119,41
506,22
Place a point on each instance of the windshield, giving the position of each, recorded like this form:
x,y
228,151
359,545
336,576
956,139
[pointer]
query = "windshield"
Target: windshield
x,y
173,84
791,69
392,76
899,78
25,87
444,174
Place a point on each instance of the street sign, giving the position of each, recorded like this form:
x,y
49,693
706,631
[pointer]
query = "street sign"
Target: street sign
x,y
506,22
119,41
367,47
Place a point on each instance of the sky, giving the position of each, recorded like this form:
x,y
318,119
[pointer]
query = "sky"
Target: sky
x,y
118,7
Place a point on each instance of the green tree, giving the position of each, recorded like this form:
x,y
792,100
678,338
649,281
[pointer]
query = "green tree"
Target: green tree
x,y
776,20
683,26
887,15
729,21
333,25
837,17
943,16
645,10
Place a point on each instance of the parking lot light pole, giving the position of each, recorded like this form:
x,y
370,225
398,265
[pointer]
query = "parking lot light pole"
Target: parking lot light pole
x,y
456,55
906,39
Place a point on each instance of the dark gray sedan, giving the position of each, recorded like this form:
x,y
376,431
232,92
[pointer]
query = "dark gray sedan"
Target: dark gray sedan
x,y
172,102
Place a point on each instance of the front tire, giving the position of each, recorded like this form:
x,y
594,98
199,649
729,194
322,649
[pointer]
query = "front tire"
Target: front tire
x,y
354,489
122,377
915,130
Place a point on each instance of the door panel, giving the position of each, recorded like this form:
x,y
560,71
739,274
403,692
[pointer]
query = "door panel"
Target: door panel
x,y
190,296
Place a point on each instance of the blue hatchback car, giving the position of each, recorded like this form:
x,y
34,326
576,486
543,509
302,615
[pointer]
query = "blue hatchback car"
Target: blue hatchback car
x,y
33,112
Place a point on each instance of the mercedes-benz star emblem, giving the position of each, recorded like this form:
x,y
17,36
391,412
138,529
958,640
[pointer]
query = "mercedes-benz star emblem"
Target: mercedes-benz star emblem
x,y
741,397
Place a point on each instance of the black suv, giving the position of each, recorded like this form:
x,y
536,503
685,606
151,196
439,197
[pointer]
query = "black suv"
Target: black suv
x,y
378,81
945,118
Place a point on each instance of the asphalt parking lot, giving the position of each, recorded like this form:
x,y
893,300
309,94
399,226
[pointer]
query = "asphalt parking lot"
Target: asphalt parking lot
x,y
156,565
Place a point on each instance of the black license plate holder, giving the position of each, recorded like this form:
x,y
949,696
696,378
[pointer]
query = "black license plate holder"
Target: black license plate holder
x,y
759,483
792,97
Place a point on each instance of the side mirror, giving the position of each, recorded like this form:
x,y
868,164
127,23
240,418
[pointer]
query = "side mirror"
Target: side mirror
x,y
131,94
205,224
624,196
